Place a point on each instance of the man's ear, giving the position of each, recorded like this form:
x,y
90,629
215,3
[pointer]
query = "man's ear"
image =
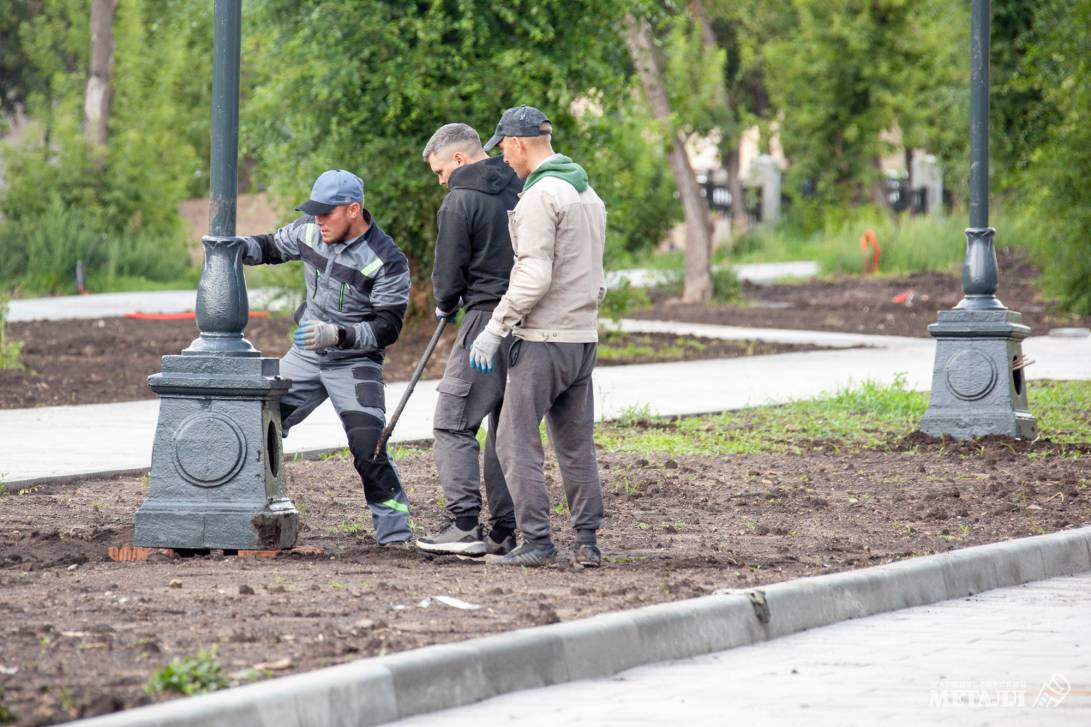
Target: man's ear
x,y
460,158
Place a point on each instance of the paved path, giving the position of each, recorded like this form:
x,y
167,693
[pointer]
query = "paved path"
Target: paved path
x,y
760,273
994,659
113,305
65,441
101,305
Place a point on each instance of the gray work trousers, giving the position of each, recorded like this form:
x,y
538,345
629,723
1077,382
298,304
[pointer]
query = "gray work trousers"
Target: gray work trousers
x,y
355,387
466,397
551,381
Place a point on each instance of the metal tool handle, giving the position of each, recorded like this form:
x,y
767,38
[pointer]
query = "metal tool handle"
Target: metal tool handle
x,y
381,444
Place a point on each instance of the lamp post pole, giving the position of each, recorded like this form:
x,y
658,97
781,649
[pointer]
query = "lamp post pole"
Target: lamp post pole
x,y
216,480
978,386
222,307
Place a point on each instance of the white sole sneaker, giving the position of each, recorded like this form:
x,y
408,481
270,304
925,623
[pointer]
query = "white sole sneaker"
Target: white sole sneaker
x,y
474,549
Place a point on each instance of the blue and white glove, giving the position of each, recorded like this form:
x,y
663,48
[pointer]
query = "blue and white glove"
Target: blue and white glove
x,y
314,335
483,351
449,315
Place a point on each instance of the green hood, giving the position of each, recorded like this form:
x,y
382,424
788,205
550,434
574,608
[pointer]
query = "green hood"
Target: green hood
x,y
561,167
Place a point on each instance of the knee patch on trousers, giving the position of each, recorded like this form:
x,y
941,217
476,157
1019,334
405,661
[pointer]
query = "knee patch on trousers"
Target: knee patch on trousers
x,y
381,481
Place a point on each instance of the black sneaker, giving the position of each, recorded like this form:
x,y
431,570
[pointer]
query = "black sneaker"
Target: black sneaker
x,y
527,554
455,541
503,547
588,555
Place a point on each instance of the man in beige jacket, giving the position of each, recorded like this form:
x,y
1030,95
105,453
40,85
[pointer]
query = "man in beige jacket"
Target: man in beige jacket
x,y
558,230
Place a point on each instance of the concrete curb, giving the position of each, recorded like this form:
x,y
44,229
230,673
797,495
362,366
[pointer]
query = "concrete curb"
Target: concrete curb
x,y
383,689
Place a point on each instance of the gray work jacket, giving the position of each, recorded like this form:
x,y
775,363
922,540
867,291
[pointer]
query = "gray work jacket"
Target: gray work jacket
x,y
361,286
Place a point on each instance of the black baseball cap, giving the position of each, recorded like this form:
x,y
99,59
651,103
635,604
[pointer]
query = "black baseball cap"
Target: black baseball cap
x,y
518,121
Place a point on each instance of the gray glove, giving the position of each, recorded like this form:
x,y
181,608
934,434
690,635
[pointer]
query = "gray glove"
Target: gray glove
x,y
483,351
314,335
440,314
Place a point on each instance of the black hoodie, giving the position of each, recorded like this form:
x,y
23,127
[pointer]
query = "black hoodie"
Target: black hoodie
x,y
473,248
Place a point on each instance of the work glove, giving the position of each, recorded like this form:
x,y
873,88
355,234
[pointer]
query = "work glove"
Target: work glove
x,y
448,315
314,335
483,351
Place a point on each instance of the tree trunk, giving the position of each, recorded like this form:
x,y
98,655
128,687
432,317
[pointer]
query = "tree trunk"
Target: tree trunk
x,y
878,191
740,222
96,108
697,284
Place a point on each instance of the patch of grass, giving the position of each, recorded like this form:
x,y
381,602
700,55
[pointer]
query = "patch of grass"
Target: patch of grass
x,y
400,451
633,415
349,527
854,418
10,351
188,676
618,346
1063,409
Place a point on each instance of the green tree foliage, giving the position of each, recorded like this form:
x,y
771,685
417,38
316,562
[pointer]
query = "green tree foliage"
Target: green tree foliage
x,y
122,214
843,71
336,83
1059,166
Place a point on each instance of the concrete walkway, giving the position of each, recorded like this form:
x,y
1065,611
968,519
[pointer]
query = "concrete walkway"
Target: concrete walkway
x,y
760,273
114,305
65,441
1013,656
101,305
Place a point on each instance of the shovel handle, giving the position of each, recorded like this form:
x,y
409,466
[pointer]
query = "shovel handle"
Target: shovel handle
x,y
381,444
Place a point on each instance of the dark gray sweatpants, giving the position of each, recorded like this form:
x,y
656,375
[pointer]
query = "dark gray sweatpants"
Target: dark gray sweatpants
x,y
550,381
466,397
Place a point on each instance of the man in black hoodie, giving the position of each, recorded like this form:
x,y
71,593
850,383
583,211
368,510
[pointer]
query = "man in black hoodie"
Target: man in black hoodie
x,y
472,263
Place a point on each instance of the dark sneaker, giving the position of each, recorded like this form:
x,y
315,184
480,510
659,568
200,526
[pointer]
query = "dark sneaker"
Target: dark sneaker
x,y
397,544
455,541
588,556
528,555
503,547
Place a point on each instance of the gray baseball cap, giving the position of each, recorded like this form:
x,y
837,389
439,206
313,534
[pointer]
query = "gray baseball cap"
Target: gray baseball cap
x,y
518,121
332,189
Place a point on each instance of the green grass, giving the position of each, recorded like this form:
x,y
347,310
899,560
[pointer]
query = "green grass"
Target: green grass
x,y
619,346
908,244
192,675
10,351
1063,410
863,416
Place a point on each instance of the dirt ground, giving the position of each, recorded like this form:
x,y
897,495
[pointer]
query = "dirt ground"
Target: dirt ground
x,y
81,634
110,359
867,304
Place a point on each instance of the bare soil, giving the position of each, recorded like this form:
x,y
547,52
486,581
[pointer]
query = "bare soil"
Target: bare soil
x,y
109,359
81,633
881,305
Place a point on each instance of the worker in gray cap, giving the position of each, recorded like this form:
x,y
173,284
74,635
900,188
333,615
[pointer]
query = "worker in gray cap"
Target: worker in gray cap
x,y
558,232
357,283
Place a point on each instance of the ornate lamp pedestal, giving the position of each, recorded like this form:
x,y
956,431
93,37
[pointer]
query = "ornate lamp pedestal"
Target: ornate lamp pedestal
x,y
216,479
977,381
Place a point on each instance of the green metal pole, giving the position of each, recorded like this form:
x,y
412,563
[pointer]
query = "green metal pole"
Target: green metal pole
x,y
980,277
225,118
222,307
